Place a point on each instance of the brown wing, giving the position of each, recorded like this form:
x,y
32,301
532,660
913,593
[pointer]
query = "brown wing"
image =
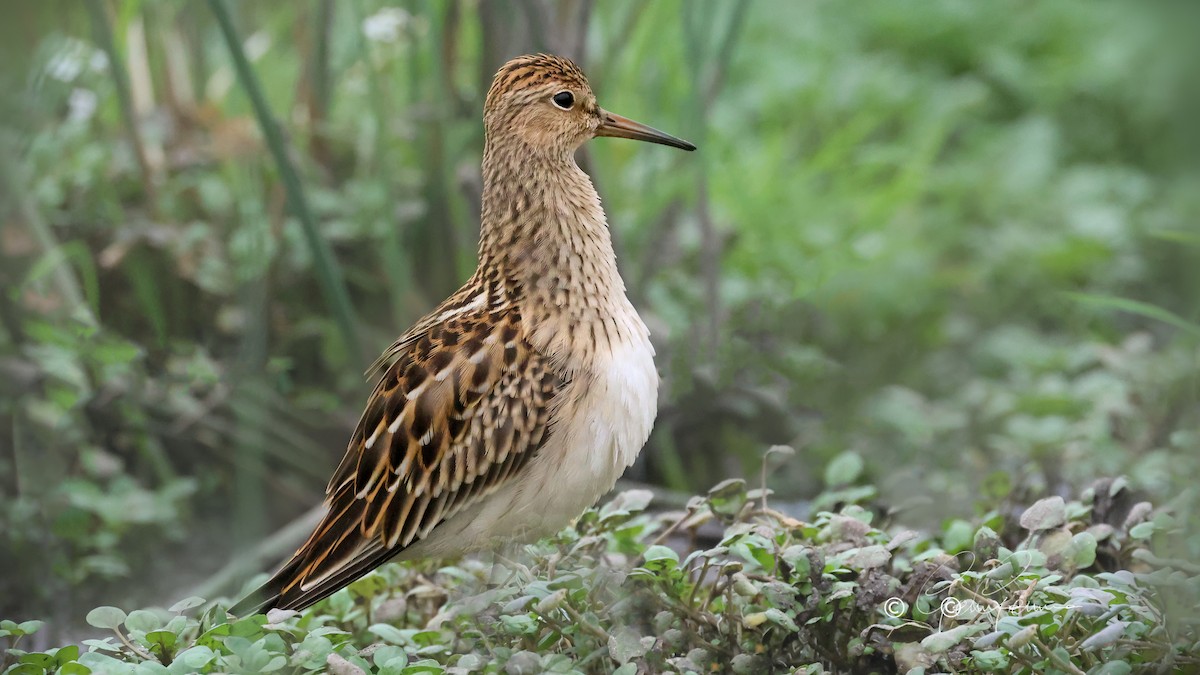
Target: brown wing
x,y
463,405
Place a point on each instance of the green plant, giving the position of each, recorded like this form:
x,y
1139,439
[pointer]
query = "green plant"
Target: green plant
x,y
1065,586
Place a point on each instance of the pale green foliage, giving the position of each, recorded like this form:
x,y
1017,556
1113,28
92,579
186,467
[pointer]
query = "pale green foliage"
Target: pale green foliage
x,y
1072,583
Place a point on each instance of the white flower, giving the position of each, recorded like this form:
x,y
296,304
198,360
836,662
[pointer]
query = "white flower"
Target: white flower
x,y
385,25
256,45
67,63
81,104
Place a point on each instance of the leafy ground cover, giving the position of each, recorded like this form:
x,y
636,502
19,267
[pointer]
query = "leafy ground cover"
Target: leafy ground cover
x,y
729,584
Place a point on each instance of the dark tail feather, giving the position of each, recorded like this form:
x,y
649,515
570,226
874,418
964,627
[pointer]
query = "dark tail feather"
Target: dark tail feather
x,y
336,553
258,602
298,599
271,595
266,597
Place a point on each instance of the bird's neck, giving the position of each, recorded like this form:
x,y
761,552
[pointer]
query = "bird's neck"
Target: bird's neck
x,y
544,236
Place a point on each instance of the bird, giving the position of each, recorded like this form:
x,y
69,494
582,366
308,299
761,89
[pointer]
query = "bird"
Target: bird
x,y
517,402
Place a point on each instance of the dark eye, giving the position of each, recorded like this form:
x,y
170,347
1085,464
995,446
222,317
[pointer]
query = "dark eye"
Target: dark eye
x,y
563,99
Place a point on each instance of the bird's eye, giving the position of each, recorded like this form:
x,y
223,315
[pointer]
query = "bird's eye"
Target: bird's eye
x,y
563,99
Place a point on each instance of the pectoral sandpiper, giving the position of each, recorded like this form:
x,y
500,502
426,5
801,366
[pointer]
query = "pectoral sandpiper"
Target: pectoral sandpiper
x,y
521,399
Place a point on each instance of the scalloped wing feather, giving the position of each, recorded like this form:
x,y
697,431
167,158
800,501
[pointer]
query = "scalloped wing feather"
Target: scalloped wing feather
x,y
463,405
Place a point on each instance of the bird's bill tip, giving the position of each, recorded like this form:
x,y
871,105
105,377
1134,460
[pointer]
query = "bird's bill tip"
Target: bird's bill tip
x,y
616,126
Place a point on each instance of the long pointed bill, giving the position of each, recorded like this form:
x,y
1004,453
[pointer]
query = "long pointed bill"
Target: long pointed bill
x,y
623,127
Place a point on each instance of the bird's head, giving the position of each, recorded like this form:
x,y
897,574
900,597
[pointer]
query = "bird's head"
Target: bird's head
x,y
545,102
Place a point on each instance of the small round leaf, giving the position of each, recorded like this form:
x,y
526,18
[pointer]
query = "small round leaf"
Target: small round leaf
x,y
661,556
143,620
187,603
106,617
1045,514
844,469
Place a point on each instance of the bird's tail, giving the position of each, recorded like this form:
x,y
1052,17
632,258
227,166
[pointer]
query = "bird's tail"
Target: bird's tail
x,y
266,597
284,591
258,602
334,555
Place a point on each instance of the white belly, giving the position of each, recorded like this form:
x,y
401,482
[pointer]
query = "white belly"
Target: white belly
x,y
604,421
594,442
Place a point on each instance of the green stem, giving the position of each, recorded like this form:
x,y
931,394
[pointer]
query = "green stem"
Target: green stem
x,y
14,182
396,265
320,65
333,286
102,29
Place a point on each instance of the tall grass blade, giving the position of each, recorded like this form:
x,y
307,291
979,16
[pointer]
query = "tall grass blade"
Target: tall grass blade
x,y
103,31
14,183
1137,307
396,265
329,274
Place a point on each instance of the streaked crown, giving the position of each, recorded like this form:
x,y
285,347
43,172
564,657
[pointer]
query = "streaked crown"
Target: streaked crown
x,y
529,76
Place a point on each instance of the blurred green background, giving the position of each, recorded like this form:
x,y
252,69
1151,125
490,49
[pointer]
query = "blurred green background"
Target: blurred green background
x,y
943,249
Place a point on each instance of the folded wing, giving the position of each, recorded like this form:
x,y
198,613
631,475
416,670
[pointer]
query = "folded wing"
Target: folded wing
x,y
463,405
